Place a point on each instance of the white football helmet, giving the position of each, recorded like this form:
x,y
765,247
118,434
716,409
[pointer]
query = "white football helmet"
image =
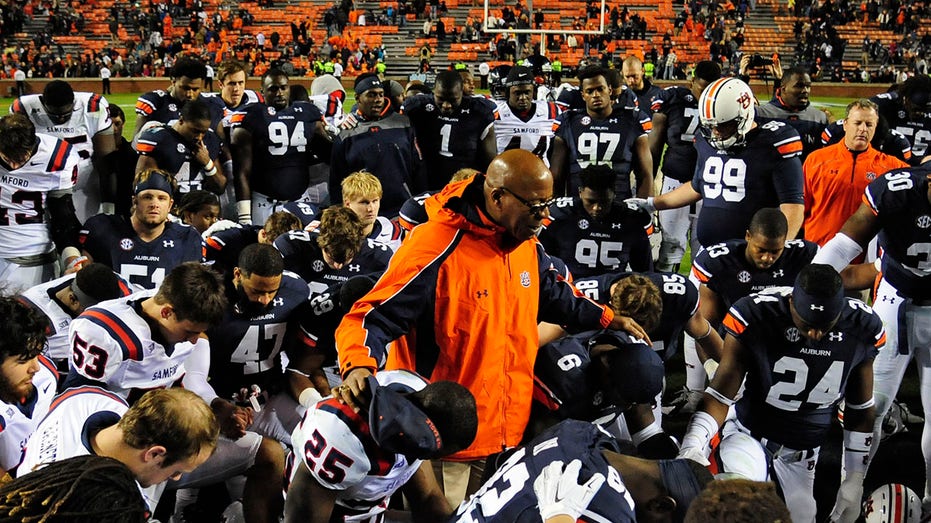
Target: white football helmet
x,y
892,503
723,101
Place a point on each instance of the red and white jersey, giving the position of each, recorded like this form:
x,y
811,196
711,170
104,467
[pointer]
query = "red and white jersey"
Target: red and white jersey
x,y
331,105
72,417
42,298
534,135
387,233
19,420
113,344
88,117
23,230
335,445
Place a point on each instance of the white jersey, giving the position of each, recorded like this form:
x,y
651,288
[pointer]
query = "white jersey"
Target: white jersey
x,y
23,231
335,446
89,116
387,233
42,298
534,135
111,343
19,420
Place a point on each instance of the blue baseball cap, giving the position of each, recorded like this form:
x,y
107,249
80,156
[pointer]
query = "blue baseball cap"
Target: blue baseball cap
x,y
398,425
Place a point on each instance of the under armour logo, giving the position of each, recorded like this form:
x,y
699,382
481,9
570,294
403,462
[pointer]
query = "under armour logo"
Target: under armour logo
x,y
482,294
355,268
886,297
836,336
277,302
168,243
617,225
779,274
817,307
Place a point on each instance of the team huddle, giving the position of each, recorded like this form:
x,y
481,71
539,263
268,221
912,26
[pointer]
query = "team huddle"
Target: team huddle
x,y
456,297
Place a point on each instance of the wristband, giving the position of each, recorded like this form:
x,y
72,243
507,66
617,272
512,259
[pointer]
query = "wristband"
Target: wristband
x,y
705,335
309,397
856,452
75,262
210,169
244,211
69,252
701,429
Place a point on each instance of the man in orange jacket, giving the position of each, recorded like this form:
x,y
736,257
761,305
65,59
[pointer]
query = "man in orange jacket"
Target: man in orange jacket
x,y
836,176
462,297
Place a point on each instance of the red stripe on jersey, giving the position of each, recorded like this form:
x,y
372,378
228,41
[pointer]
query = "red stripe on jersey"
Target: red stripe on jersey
x,y
214,244
733,324
881,342
93,104
377,456
825,136
59,156
553,109
555,125
237,117
646,125
125,339
649,229
87,389
144,147
124,289
304,338
144,107
702,277
45,362
543,395
794,146
396,230
907,155
17,107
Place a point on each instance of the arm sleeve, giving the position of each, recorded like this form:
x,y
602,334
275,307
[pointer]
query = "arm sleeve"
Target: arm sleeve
x,y
196,370
562,304
399,297
789,180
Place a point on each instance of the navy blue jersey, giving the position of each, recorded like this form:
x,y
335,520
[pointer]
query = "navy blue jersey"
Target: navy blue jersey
x,y
159,106
174,154
680,107
766,172
609,141
307,212
724,268
916,130
900,201
646,96
793,383
303,256
508,496
413,212
223,247
680,303
568,384
448,143
245,349
892,143
111,240
318,324
592,247
281,150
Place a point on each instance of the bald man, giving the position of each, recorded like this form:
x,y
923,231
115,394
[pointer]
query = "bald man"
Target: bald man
x,y
632,71
473,282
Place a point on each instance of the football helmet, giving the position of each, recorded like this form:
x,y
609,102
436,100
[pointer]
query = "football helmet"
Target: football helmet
x,y
892,503
726,103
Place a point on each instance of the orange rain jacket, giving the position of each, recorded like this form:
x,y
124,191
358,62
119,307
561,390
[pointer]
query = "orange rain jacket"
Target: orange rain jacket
x,y
463,307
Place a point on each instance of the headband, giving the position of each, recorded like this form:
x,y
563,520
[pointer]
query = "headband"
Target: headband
x,y
155,181
369,82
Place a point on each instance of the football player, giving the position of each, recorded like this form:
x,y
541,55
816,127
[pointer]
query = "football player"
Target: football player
x,y
642,87
280,138
187,79
362,193
521,122
896,207
675,123
145,247
224,246
592,233
574,471
348,463
797,352
741,167
83,120
259,324
37,174
791,105
908,111
726,272
187,148
602,133
167,433
452,130
63,299
28,380
335,252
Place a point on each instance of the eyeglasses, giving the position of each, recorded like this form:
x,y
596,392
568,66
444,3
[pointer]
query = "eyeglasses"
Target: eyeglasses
x,y
534,208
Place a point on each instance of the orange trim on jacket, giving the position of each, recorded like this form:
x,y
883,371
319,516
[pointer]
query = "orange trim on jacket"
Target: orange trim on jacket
x,y
460,303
